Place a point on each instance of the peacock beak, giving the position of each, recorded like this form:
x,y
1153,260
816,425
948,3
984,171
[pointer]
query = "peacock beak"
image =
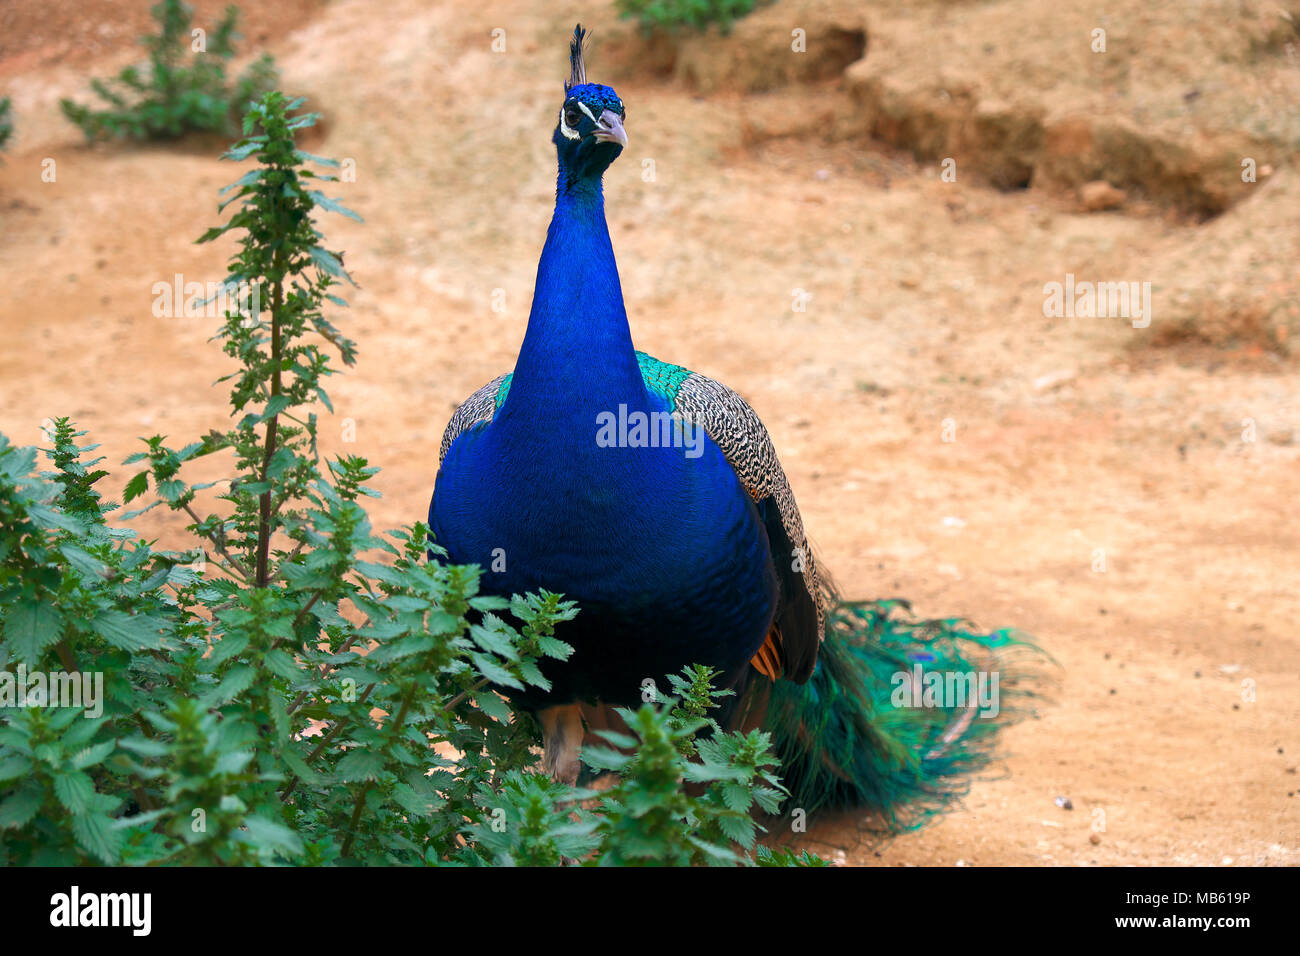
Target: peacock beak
x,y
609,129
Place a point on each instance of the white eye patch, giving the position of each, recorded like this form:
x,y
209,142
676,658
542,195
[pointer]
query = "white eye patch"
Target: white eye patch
x,y
568,131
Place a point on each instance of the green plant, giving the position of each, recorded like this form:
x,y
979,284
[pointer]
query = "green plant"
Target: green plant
x,y
691,14
300,688
175,94
6,122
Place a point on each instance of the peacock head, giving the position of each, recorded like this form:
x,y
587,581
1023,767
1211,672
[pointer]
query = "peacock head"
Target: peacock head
x,y
589,135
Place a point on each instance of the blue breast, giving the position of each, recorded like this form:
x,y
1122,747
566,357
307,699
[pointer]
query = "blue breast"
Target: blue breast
x,y
665,553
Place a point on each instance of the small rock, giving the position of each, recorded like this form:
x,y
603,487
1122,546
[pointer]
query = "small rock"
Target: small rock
x,y
1065,803
1100,195
1094,838
1053,379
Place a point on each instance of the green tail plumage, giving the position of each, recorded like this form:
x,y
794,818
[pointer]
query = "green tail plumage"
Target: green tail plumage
x,y
851,737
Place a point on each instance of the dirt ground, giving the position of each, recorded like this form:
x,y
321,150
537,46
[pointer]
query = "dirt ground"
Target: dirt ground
x,y
1127,495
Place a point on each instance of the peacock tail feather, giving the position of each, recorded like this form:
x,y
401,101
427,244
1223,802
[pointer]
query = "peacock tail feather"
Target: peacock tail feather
x,y
843,740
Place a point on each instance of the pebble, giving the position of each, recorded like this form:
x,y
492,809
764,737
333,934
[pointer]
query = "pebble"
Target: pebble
x,y
1099,195
1054,379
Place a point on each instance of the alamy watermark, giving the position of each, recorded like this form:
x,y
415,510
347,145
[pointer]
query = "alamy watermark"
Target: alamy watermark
x,y
179,299
1094,300
933,689
637,429
78,689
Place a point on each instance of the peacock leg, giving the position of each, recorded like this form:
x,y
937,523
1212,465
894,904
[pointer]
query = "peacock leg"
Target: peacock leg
x,y
561,741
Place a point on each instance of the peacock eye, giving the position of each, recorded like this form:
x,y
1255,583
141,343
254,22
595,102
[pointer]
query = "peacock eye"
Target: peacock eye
x,y
571,116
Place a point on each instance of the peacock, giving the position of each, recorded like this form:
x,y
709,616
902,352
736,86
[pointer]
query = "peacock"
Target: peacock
x,y
652,495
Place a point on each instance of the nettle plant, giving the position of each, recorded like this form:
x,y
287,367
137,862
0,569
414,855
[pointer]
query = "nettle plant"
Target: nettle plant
x,y
183,87
699,15
6,122
298,688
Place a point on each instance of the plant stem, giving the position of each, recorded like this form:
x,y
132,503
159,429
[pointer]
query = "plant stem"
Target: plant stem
x,y
221,549
320,748
361,797
272,426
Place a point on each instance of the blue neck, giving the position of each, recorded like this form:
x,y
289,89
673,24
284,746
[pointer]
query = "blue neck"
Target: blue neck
x,y
577,357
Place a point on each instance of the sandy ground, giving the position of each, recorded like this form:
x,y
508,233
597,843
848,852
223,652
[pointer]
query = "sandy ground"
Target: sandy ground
x,y
1080,444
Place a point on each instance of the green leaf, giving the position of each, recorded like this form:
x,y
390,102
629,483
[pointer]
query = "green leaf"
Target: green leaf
x,y
275,406
241,152
237,680
50,518
18,809
95,835
282,664
18,463
232,762
494,641
269,835
322,160
328,263
494,671
30,627
228,647
333,205
141,819
554,647
145,746
92,756
738,829
14,766
300,766
83,561
252,176
359,765
493,706
136,486
126,631
171,490
74,790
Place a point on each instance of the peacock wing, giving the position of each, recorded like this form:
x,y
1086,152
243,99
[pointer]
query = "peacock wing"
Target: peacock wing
x,y
476,410
791,648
